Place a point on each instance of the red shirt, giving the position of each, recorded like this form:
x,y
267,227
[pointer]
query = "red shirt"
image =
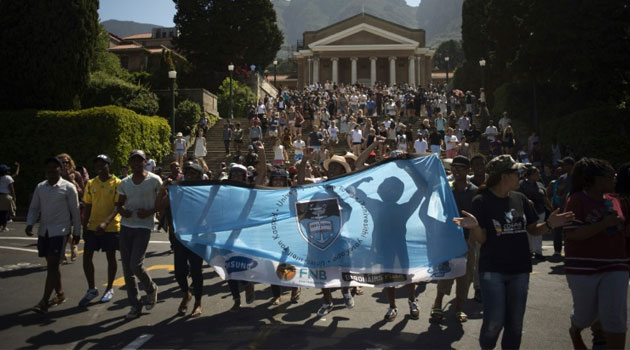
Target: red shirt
x,y
602,252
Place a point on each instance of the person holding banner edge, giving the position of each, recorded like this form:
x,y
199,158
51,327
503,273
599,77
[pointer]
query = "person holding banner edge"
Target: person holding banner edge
x,y
500,220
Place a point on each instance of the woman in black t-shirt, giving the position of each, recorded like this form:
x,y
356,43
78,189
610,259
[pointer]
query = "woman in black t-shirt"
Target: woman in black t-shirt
x,y
501,219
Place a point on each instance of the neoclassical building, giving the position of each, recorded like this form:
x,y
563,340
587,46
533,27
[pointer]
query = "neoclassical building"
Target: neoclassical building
x,y
364,49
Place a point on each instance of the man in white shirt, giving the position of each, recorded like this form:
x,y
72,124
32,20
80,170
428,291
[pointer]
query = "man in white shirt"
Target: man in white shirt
x,y
298,148
420,145
491,131
136,205
56,204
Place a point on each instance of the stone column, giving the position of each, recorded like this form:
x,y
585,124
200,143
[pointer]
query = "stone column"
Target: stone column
x,y
392,70
335,70
372,70
309,79
315,70
412,71
422,81
353,70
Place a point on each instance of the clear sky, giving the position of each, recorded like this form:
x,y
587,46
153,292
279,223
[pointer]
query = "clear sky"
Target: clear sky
x,y
158,12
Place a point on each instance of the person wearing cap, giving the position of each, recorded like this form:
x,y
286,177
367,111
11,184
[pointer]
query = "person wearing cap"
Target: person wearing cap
x,y
136,204
179,148
7,196
463,192
55,203
186,262
101,224
334,166
500,220
535,192
238,173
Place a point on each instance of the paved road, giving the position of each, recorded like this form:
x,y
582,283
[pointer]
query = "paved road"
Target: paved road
x,y
259,325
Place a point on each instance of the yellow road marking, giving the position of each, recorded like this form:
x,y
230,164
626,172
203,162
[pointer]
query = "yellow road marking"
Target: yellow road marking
x,y
78,253
120,281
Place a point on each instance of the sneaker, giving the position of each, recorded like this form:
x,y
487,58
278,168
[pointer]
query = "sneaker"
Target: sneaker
x,y
108,295
348,300
57,300
249,293
73,253
539,256
152,298
89,296
324,310
134,313
414,311
391,314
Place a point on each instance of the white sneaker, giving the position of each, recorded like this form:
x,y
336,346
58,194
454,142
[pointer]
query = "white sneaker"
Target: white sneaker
x,y
134,313
324,310
89,296
108,295
391,314
348,300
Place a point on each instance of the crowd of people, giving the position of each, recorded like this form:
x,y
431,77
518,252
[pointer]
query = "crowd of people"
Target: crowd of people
x,y
508,197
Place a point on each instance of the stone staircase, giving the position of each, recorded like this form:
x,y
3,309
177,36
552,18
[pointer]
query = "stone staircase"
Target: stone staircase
x,y
216,152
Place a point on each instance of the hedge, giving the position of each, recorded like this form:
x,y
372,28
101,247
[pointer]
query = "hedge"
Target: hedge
x,y
599,132
29,136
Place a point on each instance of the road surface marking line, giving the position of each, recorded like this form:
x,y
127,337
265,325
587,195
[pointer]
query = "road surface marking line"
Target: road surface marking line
x,y
120,281
136,344
20,249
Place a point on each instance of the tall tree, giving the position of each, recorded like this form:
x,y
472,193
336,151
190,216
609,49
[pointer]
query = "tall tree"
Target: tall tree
x,y
215,33
50,45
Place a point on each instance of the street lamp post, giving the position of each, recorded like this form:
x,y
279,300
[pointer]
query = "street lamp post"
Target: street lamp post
x,y
172,75
446,59
275,70
448,97
231,69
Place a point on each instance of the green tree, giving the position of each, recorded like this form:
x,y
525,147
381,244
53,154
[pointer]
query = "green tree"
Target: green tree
x,y
187,114
242,97
50,45
451,49
105,61
215,33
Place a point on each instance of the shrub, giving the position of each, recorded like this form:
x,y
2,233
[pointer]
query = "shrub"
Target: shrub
x,y
187,114
83,134
242,96
104,89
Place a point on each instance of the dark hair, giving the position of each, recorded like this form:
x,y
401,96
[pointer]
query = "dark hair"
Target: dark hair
x,y
492,181
622,187
478,157
586,170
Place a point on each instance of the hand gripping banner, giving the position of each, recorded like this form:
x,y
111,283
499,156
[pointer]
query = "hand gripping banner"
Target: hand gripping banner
x,y
386,225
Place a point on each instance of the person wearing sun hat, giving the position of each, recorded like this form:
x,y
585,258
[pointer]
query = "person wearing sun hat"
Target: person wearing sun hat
x,y
500,220
179,148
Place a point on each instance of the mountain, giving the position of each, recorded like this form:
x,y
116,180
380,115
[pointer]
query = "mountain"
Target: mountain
x,y
125,28
441,19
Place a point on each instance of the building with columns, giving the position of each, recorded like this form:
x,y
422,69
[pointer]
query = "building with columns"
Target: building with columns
x,y
364,49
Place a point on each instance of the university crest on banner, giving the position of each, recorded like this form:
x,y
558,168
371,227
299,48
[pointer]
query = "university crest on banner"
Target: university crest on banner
x,y
319,221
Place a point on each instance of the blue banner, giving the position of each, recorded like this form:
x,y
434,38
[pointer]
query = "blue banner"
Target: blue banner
x,y
394,218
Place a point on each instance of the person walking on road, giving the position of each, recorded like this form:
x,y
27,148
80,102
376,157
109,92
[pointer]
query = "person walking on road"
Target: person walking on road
x,y
56,204
136,204
101,225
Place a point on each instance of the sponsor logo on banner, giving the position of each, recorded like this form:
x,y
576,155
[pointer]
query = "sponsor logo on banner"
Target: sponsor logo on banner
x,y
440,270
374,278
319,222
239,264
285,272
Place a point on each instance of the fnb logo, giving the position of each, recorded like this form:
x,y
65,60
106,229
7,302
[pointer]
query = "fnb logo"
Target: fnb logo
x,y
313,274
239,264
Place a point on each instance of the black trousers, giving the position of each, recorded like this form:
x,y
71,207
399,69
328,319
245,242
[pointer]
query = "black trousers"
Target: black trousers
x,y
186,261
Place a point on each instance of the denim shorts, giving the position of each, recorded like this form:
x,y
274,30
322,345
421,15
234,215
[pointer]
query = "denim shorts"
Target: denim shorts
x,y
601,295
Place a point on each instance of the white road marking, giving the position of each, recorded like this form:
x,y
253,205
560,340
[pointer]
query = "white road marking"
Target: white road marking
x,y
136,344
20,249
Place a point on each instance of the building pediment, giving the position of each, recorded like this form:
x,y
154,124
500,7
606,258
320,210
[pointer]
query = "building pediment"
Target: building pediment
x,y
363,34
